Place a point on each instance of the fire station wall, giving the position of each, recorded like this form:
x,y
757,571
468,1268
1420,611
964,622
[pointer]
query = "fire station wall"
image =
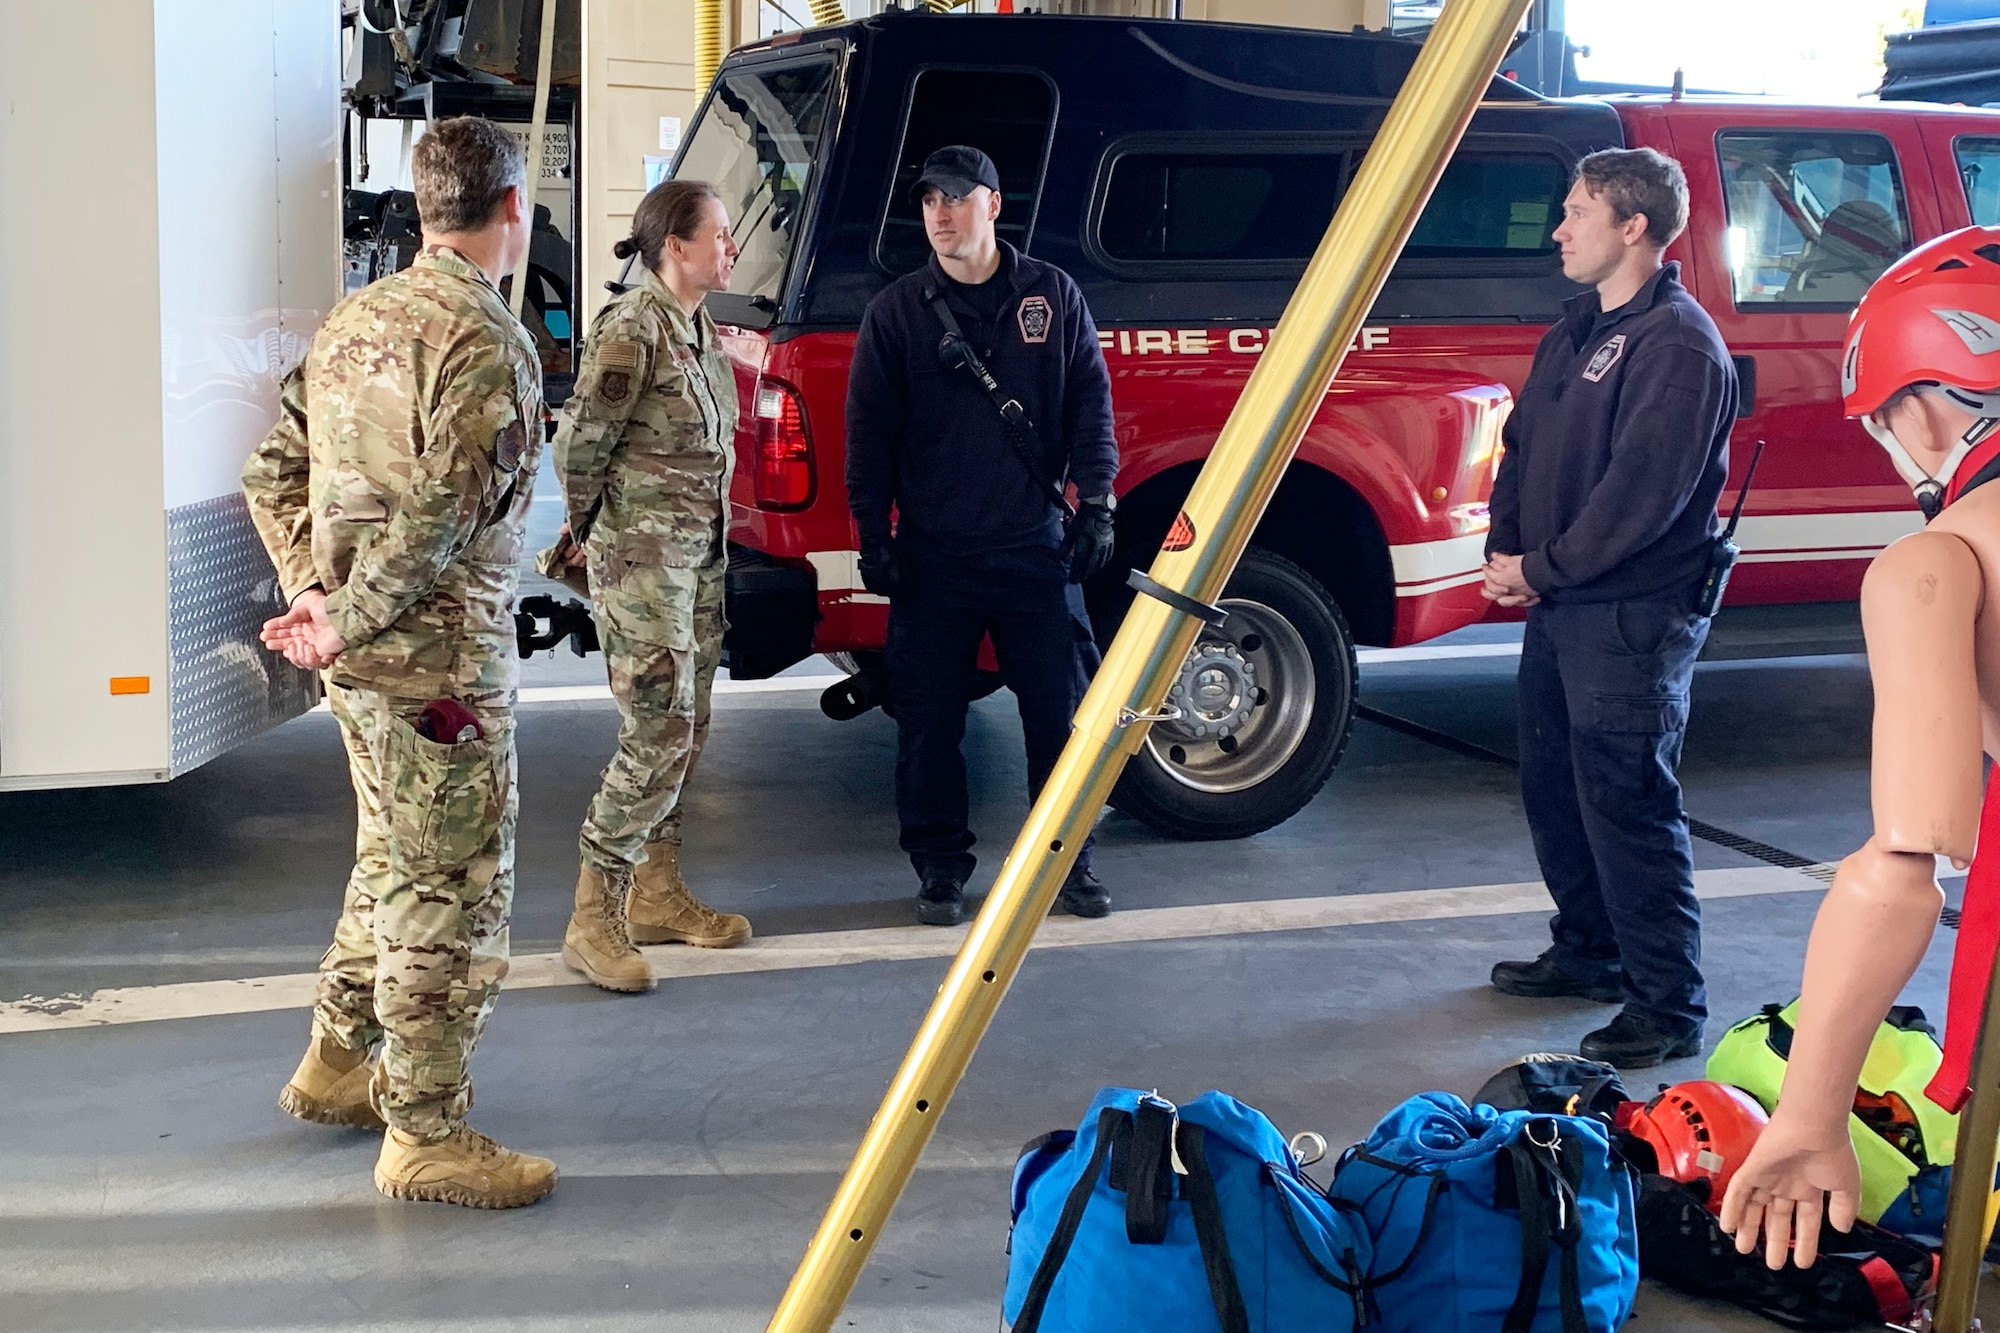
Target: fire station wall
x,y
638,62
82,508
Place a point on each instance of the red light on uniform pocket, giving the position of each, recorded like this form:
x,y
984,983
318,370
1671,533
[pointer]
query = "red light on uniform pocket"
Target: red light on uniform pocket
x,y
784,476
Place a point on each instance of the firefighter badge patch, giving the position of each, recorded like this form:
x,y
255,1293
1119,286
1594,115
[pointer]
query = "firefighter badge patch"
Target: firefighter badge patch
x,y
1034,317
1607,357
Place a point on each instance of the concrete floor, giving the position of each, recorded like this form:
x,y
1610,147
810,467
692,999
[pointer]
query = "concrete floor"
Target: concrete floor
x,y
147,1180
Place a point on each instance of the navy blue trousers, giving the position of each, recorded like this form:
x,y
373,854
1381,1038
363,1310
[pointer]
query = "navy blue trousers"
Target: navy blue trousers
x,y
1040,632
1603,709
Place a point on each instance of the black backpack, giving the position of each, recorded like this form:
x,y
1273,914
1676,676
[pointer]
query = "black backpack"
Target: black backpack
x,y
1864,1278
1555,1084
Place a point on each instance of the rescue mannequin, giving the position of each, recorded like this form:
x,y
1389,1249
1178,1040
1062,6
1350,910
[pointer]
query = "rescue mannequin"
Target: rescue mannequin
x,y
1922,370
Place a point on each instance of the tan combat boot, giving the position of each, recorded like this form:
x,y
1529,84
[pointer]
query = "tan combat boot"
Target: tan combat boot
x,y
662,910
596,943
331,1086
465,1167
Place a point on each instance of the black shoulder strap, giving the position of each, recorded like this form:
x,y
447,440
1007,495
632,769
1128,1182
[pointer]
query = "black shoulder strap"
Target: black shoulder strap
x,y
1020,431
1199,1187
1546,1187
1109,1120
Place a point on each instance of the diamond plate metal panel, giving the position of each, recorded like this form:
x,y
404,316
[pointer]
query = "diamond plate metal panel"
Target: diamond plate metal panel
x,y
220,590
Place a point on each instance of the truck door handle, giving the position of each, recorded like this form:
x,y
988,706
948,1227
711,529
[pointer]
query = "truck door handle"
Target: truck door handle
x,y
1746,385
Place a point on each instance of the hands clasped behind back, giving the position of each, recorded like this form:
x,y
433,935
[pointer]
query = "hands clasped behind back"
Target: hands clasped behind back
x,y
303,635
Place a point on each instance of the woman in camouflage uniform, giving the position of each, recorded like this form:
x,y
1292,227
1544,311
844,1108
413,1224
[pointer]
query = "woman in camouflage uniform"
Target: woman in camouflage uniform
x,y
644,452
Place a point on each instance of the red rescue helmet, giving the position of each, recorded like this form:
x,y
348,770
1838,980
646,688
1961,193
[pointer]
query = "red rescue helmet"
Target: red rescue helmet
x,y
1700,1131
1932,320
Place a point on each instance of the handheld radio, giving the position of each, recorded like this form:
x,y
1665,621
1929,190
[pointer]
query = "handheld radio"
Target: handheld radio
x,y
1722,552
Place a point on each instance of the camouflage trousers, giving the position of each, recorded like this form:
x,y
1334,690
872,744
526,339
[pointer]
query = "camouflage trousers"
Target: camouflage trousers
x,y
421,946
661,628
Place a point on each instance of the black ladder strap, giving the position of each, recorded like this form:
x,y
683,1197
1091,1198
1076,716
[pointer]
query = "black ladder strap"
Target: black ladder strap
x,y
1032,1304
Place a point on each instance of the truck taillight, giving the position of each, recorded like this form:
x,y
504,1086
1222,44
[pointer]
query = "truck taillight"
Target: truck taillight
x,y
784,477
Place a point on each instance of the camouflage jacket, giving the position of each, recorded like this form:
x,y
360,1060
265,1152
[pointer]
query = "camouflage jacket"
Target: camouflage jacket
x,y
398,479
645,448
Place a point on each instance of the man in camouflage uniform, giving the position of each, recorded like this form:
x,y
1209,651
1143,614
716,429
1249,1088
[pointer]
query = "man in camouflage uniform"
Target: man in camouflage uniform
x,y
645,452
392,496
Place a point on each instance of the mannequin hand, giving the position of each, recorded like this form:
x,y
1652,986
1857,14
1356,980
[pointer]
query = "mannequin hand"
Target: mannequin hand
x,y
1792,1178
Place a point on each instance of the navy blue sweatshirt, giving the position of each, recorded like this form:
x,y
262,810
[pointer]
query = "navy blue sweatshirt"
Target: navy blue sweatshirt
x,y
1618,449
929,441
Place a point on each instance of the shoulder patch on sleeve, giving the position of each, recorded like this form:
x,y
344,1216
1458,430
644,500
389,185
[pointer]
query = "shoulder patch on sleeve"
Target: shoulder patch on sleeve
x,y
509,445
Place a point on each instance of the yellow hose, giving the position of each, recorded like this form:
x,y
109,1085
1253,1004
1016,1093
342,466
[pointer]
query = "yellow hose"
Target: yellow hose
x,y
826,12
707,42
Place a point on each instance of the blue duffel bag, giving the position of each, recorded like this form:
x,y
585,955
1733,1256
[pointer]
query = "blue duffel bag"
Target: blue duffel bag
x,y
1188,1219
1485,1221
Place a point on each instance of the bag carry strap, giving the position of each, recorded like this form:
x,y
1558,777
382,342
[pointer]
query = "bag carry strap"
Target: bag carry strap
x,y
1019,430
1435,1184
1030,1318
1545,1186
1892,1298
1149,1186
1199,1189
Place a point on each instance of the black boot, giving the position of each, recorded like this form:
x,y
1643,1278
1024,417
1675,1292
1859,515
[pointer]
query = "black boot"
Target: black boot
x,y
941,901
1544,980
1633,1041
1083,894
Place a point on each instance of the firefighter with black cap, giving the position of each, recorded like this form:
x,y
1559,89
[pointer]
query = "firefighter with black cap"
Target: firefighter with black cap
x,y
978,398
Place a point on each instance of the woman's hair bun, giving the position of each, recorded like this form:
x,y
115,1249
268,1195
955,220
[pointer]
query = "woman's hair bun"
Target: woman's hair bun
x,y
626,248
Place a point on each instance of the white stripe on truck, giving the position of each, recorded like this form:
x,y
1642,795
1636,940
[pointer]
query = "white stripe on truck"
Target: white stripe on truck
x,y
1424,568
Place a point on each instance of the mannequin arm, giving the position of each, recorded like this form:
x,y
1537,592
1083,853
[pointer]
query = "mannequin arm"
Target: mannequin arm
x,y
1919,608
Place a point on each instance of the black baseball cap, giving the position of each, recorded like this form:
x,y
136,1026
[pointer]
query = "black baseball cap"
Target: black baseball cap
x,y
955,169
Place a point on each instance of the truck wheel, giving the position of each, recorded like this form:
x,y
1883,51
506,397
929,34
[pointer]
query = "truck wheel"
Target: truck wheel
x,y
1267,704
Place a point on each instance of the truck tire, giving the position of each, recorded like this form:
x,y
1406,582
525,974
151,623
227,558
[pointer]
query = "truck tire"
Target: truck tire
x,y
1268,702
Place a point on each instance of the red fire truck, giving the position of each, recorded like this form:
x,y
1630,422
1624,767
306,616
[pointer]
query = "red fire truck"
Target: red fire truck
x,y
1183,173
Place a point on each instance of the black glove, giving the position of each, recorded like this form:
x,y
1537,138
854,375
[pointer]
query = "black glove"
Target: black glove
x,y
1091,538
884,572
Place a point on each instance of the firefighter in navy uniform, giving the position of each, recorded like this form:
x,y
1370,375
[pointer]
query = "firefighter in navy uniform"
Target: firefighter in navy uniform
x,y
981,544
1603,524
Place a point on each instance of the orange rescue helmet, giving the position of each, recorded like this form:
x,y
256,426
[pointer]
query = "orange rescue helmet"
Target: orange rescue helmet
x,y
1700,1130
1932,322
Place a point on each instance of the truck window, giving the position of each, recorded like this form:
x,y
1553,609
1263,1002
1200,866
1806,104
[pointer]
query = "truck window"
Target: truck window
x,y
1208,206
1979,172
757,142
1181,214
1492,206
1814,218
1006,114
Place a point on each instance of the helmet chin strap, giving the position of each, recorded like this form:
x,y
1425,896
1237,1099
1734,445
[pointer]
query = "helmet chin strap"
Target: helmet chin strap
x,y
1932,490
